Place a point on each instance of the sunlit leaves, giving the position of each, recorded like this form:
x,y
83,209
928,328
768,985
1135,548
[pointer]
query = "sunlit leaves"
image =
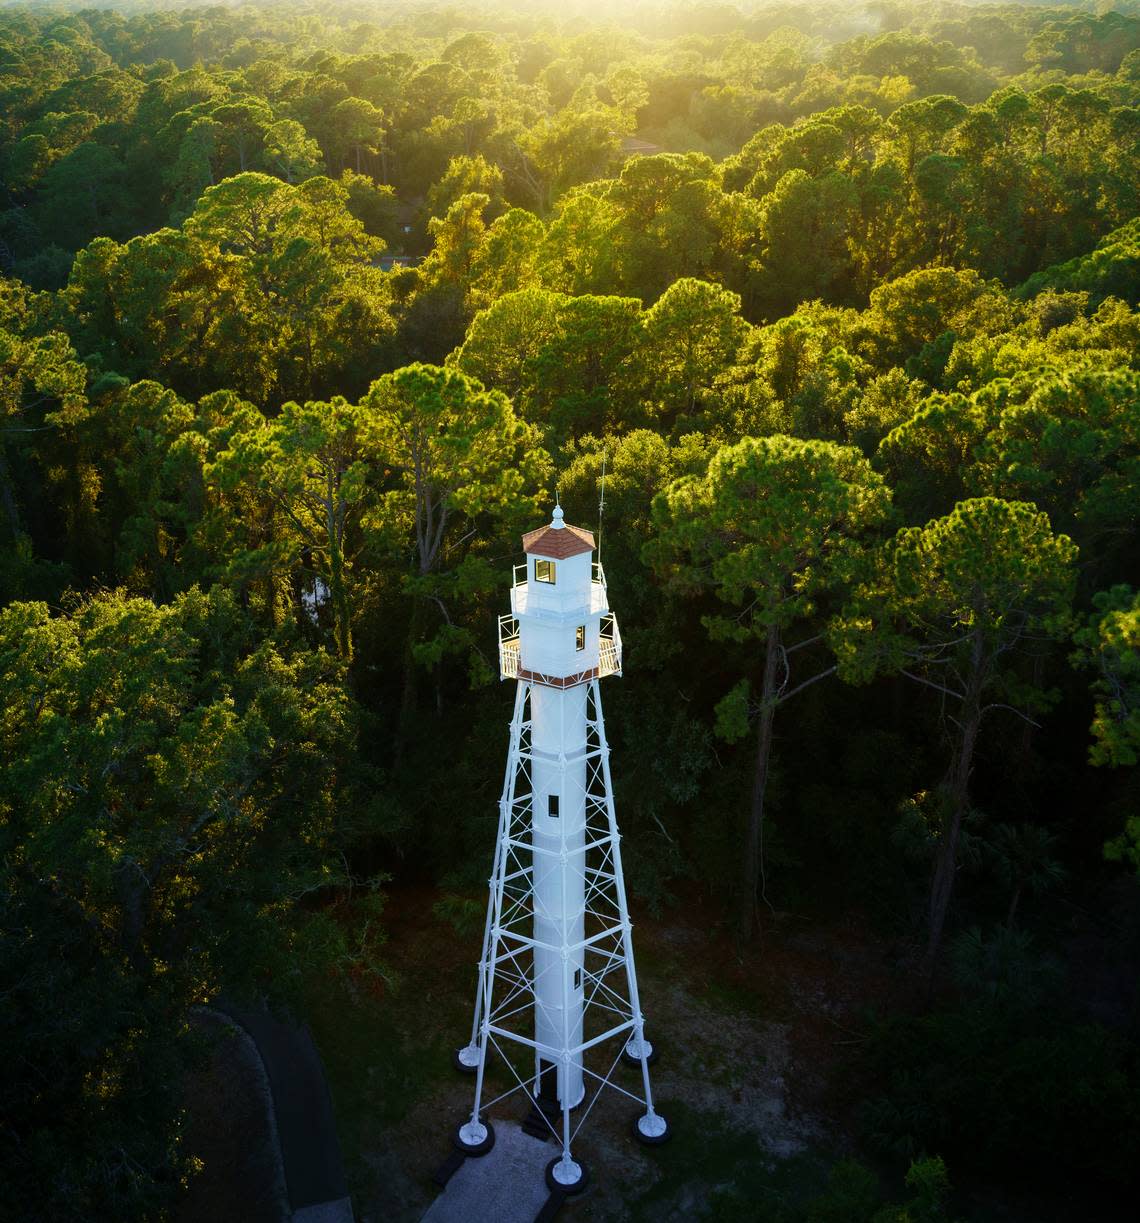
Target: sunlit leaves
x,y
1110,646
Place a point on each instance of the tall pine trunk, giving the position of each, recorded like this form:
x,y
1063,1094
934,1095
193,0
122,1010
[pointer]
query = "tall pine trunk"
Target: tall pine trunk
x,y
752,865
8,500
408,696
946,864
338,591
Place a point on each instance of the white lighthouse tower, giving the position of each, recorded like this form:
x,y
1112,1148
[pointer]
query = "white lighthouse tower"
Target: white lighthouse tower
x,y
557,1001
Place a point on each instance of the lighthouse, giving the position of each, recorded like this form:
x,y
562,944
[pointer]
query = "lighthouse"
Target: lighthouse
x,y
556,999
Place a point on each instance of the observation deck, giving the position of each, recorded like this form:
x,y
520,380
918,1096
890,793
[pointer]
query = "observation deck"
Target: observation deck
x,y
534,602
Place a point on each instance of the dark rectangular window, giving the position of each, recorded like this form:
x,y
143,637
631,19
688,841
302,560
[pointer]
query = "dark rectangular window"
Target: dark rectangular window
x,y
577,978
552,805
544,571
580,637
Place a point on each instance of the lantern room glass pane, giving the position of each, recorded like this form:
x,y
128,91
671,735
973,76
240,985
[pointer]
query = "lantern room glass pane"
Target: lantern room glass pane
x,y
544,571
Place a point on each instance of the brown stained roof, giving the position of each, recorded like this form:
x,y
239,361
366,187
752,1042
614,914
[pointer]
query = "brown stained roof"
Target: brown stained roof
x,y
558,542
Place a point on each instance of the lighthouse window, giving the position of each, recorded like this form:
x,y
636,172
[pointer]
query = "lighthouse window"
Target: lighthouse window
x,y
544,571
577,978
552,806
580,637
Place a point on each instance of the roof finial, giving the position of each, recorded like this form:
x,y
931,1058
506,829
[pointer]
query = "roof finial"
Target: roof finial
x,y
556,516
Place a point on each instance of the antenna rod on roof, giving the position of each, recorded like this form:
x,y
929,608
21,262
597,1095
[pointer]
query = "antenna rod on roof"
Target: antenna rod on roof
x,y
601,506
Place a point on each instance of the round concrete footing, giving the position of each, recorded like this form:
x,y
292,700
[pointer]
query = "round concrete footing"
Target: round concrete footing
x,y
466,1060
566,1175
474,1137
631,1054
651,1131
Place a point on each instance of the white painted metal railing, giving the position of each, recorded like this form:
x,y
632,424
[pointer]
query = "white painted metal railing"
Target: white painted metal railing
x,y
609,648
508,647
510,663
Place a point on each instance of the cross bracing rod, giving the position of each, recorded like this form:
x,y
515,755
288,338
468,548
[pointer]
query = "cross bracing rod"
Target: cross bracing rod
x,y
603,1083
510,1066
613,961
525,1085
516,845
622,1012
572,1050
623,1003
600,873
526,942
598,893
518,985
535,753
502,1016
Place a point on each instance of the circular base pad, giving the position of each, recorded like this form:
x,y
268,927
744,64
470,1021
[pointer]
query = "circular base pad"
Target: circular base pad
x,y
556,1186
630,1060
471,1054
660,1131
473,1148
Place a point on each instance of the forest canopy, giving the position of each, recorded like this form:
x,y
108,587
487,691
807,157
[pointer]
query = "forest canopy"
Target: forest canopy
x,y
306,310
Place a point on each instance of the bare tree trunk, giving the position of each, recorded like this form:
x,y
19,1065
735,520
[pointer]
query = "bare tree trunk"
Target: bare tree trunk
x,y
752,851
1027,724
338,592
946,866
8,499
340,604
408,696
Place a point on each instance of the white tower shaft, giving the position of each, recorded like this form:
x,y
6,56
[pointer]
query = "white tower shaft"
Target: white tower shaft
x,y
558,778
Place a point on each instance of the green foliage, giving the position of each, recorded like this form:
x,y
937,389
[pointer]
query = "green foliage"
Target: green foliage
x,y
458,451
963,591
1053,1090
175,785
691,333
773,527
256,292
1111,270
769,528
1109,642
310,467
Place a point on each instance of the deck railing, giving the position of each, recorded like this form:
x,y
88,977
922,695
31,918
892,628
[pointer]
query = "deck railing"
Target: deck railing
x,y
508,647
510,662
609,647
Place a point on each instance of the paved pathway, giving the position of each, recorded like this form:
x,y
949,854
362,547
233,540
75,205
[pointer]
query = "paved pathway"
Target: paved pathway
x,y
507,1185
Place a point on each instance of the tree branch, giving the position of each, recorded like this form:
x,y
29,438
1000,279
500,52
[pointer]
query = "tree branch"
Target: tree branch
x,y
918,679
787,696
1023,716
